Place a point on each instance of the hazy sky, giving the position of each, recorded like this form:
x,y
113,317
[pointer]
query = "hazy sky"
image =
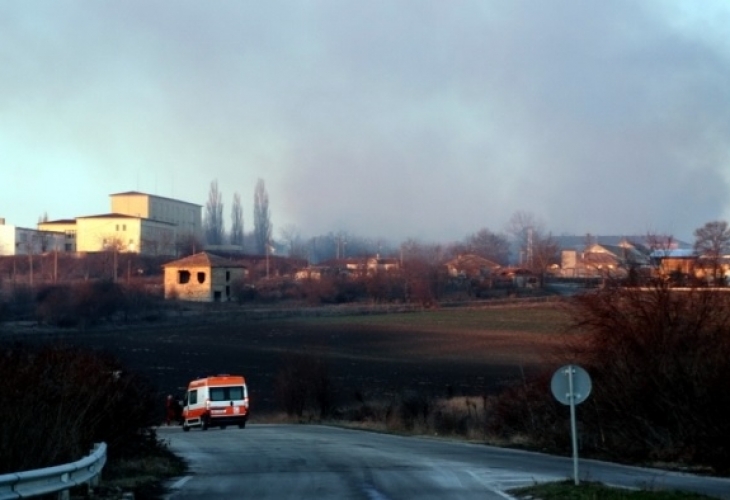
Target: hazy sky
x,y
385,118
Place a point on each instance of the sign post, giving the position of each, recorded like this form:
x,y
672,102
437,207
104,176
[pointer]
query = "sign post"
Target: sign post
x,y
571,385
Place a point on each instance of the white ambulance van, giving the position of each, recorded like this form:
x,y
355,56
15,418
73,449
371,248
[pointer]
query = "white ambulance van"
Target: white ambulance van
x,y
216,401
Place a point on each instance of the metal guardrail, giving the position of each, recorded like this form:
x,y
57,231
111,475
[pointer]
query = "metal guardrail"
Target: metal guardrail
x,y
57,479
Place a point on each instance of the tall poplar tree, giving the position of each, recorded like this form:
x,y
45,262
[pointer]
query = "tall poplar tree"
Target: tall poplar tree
x,y
237,221
214,216
261,218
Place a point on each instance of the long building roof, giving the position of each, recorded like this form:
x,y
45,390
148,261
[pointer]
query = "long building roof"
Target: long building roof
x,y
139,193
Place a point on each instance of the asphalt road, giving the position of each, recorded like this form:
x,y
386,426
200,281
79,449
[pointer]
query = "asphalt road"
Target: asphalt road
x,y
312,461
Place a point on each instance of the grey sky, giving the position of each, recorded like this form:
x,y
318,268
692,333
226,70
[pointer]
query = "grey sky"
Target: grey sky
x,y
395,119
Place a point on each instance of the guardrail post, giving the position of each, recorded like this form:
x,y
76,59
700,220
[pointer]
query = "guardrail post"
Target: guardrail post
x,y
64,494
96,480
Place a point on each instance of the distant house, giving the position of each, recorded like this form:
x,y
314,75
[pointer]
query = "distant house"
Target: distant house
x,y
354,267
311,273
471,266
378,264
515,277
601,260
202,277
670,262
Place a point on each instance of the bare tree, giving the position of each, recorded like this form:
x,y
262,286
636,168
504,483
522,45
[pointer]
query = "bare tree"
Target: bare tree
x,y
423,272
659,246
712,243
112,245
296,247
187,244
537,248
261,218
488,245
237,221
214,216
524,226
545,253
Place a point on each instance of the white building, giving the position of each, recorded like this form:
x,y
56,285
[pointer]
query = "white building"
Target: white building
x,y
138,222
16,240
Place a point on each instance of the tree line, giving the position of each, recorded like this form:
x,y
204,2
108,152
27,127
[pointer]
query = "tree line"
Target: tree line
x,y
214,227
525,236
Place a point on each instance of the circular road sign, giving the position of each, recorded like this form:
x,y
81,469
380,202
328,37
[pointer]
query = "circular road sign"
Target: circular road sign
x,y
561,384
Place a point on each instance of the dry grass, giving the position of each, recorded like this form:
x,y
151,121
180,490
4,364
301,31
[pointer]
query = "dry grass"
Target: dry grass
x,y
566,490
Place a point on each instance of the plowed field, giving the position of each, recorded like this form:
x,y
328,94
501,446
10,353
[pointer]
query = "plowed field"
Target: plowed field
x,y
460,352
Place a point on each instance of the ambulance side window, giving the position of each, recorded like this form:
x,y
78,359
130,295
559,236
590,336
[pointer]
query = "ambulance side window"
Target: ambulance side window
x,y
193,397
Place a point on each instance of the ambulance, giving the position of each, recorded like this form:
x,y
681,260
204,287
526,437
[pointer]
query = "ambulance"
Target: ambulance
x,y
216,401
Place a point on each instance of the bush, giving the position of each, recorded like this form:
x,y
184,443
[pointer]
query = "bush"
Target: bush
x,y
58,401
659,360
91,302
304,383
19,305
54,306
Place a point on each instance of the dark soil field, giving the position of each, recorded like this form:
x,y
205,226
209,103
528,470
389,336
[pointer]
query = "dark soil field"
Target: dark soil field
x,y
439,353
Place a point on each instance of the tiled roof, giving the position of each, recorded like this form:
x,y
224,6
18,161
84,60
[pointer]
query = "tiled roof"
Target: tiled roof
x,y
472,260
204,259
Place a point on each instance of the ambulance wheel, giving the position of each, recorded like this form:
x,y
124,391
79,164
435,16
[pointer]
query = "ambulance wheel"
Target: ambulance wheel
x,y
242,425
205,423
223,427
186,428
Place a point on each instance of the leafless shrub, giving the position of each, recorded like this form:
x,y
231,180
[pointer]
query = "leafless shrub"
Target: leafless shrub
x,y
527,408
89,303
660,360
58,401
304,383
20,304
54,306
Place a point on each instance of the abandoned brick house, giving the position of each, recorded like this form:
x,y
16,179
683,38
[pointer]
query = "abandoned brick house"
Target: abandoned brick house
x,y
202,277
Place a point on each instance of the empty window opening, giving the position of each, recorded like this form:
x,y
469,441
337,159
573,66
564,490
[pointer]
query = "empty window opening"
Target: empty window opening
x,y
183,277
228,276
201,277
